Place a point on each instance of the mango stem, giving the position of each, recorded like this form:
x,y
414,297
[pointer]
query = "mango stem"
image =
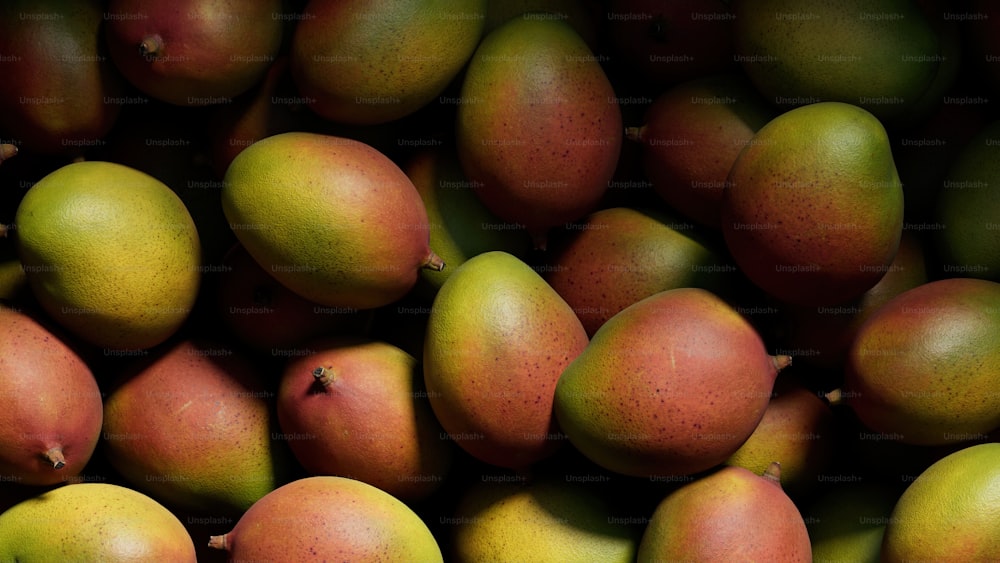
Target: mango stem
x,y
781,361
7,150
151,46
324,376
432,262
773,473
55,457
218,542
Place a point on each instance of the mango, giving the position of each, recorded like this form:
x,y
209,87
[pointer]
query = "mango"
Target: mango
x,y
812,210
539,128
498,338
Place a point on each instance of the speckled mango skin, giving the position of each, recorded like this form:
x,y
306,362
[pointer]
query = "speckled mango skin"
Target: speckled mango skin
x,y
498,338
950,512
369,62
798,430
813,209
331,519
369,422
539,126
210,53
193,427
331,218
93,522
111,253
732,514
50,399
925,366
692,133
620,255
671,385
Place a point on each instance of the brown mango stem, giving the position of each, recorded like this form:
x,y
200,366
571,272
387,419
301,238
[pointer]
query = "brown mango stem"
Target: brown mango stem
x,y
218,542
635,134
781,361
7,150
151,46
835,397
324,376
4,230
55,457
432,262
773,473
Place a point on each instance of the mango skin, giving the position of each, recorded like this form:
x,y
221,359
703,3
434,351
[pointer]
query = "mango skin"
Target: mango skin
x,y
619,255
371,421
731,514
924,368
827,332
657,393
111,253
798,428
498,337
950,512
368,62
331,218
163,415
336,518
51,400
93,522
74,102
690,136
210,52
538,125
812,211
546,519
